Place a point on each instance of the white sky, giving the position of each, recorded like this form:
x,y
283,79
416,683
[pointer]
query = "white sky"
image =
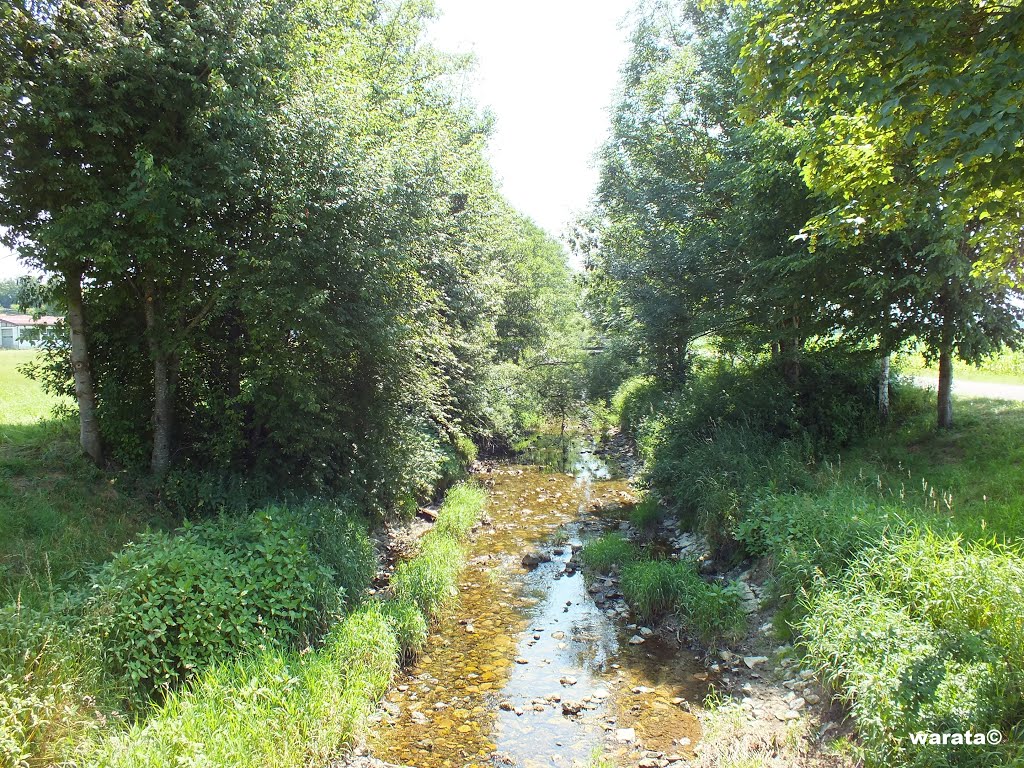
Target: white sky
x,y
547,69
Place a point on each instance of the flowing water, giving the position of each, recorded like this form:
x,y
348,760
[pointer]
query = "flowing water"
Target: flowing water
x,y
529,671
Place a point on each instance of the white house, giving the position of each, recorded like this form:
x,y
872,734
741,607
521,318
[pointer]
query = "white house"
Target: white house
x,y
19,331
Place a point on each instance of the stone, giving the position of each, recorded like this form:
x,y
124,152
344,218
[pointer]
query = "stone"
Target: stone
x,y
521,660
642,689
567,680
753,661
812,698
636,640
797,704
570,708
534,558
625,735
646,631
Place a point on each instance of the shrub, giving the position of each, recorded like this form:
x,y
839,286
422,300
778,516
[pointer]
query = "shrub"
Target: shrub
x,y
608,551
813,535
168,605
957,587
656,587
636,399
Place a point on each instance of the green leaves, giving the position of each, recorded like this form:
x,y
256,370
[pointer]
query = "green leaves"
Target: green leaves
x,y
170,605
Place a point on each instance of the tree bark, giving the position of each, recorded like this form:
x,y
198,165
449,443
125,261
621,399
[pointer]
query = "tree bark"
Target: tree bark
x,y
883,390
85,391
945,416
163,391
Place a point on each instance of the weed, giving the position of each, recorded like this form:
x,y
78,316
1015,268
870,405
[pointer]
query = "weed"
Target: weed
x,y
646,513
656,587
607,552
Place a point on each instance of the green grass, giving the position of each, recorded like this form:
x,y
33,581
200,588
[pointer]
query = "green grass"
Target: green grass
x,y
972,474
273,708
60,515
293,709
1004,368
657,587
607,552
430,580
646,513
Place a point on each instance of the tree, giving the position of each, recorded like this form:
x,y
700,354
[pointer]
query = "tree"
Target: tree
x,y
904,98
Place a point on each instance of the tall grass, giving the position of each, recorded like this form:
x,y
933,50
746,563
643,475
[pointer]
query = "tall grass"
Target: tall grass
x,y
272,708
430,580
656,587
606,552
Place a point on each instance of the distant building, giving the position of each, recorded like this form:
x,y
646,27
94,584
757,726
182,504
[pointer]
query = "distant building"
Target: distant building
x,y
23,331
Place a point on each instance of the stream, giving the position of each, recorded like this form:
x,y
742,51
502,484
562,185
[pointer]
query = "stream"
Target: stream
x,y
535,666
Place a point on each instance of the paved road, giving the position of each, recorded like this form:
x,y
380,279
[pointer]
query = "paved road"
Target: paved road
x,y
967,388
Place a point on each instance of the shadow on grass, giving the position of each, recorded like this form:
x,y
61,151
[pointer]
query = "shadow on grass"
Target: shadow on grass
x,y
59,515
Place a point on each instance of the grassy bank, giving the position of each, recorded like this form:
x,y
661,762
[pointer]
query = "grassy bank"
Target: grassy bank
x,y
300,707
59,514
894,550
253,633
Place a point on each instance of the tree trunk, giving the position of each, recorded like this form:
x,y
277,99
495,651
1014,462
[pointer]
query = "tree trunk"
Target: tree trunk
x,y
163,391
883,390
789,351
85,392
945,420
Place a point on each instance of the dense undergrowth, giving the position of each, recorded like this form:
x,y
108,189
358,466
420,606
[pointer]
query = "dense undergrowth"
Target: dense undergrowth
x,y
238,641
893,548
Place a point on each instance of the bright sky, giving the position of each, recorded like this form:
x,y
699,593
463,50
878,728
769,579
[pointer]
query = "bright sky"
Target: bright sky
x,y
547,69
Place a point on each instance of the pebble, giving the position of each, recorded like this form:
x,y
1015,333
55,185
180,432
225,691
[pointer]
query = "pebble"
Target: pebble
x,y
636,639
521,660
625,735
753,661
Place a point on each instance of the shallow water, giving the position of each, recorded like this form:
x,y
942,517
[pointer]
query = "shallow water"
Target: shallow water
x,y
490,688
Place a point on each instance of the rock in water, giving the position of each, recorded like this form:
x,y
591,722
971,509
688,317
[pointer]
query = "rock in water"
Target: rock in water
x,y
534,558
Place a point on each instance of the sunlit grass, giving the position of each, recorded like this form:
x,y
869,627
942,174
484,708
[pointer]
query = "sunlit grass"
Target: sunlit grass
x,y
59,514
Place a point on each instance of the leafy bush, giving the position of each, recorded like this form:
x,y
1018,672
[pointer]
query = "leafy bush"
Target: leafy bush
x,y
924,634
813,535
168,605
608,551
636,399
656,587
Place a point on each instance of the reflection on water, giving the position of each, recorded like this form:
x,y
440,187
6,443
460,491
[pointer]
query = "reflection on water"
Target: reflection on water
x,y
530,671
573,454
